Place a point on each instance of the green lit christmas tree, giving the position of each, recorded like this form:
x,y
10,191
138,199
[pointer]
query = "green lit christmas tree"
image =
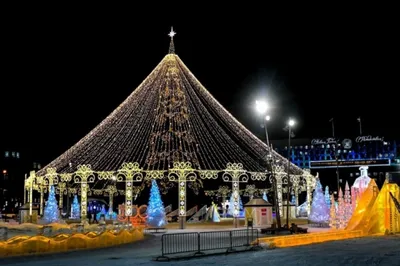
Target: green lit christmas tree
x,y
51,213
155,209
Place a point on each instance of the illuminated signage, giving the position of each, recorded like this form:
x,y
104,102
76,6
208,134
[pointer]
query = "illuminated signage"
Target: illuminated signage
x,y
323,141
368,138
349,163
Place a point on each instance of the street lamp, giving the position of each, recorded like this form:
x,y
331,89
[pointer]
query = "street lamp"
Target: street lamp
x,y
262,108
290,124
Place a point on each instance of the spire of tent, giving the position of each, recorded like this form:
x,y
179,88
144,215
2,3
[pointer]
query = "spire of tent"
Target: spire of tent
x,y
171,44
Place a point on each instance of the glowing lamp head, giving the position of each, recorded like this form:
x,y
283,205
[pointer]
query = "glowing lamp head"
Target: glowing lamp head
x,y
291,122
261,107
267,118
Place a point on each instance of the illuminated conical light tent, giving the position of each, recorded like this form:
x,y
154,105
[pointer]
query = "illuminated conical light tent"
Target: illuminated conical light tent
x,y
170,127
377,213
169,118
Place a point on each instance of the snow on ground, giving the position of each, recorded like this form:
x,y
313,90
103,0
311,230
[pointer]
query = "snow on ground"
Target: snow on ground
x,y
384,250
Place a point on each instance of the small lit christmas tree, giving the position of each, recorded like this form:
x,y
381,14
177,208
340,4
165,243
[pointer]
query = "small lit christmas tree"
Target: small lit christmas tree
x,y
265,197
111,215
327,197
332,219
319,210
213,214
340,214
293,199
51,213
216,217
348,208
75,208
102,211
232,205
155,209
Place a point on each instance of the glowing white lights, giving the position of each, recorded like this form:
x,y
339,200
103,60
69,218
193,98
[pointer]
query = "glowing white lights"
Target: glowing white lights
x,y
267,118
169,118
172,33
261,107
291,122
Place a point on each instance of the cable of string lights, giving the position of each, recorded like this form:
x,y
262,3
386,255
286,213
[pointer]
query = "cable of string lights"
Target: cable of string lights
x,y
169,118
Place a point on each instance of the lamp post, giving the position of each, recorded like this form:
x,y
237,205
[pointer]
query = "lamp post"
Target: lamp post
x,y
290,124
262,108
336,151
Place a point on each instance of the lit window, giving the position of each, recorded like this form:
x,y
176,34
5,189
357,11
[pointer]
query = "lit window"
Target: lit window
x,y
13,154
39,166
6,154
34,165
17,155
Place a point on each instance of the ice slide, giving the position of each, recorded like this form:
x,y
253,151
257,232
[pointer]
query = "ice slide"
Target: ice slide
x,y
376,212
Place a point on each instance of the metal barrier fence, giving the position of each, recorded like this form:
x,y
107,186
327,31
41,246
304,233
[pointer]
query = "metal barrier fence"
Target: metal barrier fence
x,y
204,241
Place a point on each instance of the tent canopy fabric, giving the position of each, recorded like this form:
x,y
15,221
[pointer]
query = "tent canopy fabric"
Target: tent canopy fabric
x,y
257,203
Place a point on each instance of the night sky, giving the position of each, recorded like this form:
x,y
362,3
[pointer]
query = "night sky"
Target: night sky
x,y
64,73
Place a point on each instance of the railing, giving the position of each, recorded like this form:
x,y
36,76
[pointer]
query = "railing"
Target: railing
x,y
197,243
396,203
168,209
198,215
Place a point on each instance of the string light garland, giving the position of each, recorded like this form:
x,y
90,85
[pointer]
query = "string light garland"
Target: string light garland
x,y
170,117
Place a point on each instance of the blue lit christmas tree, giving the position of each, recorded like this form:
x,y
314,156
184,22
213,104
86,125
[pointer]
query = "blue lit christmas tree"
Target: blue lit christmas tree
x,y
327,197
111,215
51,213
320,212
293,199
265,196
75,208
215,214
232,205
155,208
102,211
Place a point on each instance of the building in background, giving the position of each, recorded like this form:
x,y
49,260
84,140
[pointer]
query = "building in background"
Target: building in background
x,y
14,165
327,156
